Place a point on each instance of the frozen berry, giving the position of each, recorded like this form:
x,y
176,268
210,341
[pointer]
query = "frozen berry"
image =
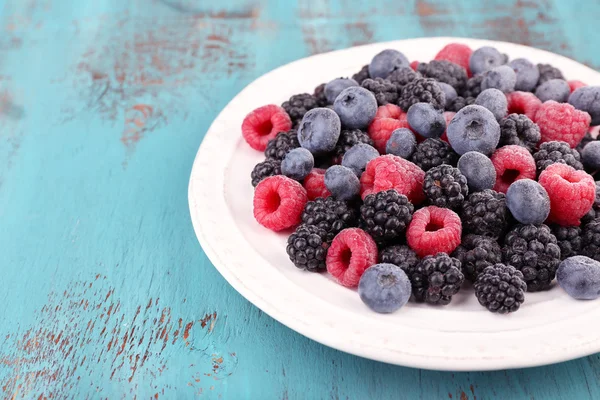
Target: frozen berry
x,y
307,249
475,253
422,90
342,182
349,138
386,62
527,74
314,183
495,101
403,75
528,202
384,288
426,120
358,157
436,278
554,89
561,121
392,172
414,65
478,169
399,255
473,87
265,169
459,103
319,94
474,128
336,86
485,58
445,71
319,130
449,93
385,91
263,124
402,143
356,107
574,85
548,72
502,78
457,53
485,213
512,163
433,152
297,164
278,202
388,118
587,99
556,152
445,186
591,155
523,103
284,142
579,276
590,239
518,129
434,230
351,252
361,75
385,215
569,239
298,105
500,288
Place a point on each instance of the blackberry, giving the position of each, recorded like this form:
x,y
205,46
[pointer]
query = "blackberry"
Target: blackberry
x,y
595,210
421,90
399,255
473,86
500,288
265,169
520,130
349,138
307,249
590,239
319,93
385,91
361,75
403,76
556,152
329,214
298,105
279,146
446,187
445,71
459,103
533,250
568,239
475,253
433,152
435,279
485,213
385,215
548,72
586,139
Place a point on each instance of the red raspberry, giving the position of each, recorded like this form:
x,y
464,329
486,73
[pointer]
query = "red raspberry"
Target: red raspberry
x,y
393,172
512,163
434,230
574,85
448,115
457,53
561,121
523,103
263,124
414,65
314,183
279,202
572,193
388,118
351,252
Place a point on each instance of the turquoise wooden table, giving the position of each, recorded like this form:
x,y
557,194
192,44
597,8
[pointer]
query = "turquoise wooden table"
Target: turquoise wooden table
x,y
105,291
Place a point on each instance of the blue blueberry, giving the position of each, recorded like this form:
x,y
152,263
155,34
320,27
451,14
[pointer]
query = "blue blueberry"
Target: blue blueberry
x,y
528,201
590,156
358,156
319,130
356,107
474,128
579,276
554,89
527,72
449,92
342,182
402,143
495,101
479,171
485,58
502,78
386,62
424,119
587,99
297,163
335,87
384,288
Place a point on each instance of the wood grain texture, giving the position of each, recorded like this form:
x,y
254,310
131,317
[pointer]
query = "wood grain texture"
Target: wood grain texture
x,y
105,291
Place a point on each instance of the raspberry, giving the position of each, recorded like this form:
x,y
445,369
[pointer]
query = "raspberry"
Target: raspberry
x,y
414,65
278,202
388,118
574,85
572,193
314,183
350,254
263,124
434,230
457,53
561,121
523,103
392,172
512,163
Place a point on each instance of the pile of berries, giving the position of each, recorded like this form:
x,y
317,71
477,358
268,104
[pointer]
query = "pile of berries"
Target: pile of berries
x,y
410,178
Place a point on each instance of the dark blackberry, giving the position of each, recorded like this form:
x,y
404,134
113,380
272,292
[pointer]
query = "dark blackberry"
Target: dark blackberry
x,y
435,279
403,76
520,130
533,250
433,152
278,147
329,214
298,105
500,288
568,239
473,86
399,255
595,210
446,187
421,90
459,103
548,72
556,152
265,169
385,91
361,75
475,253
347,139
307,249
485,213
319,93
445,71
590,239
385,215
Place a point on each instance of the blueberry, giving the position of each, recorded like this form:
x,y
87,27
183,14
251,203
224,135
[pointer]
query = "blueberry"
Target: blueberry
x,y
319,130
590,156
358,156
342,182
495,101
424,119
479,171
402,143
356,107
386,62
485,58
297,163
553,89
384,288
449,92
502,78
527,74
587,99
335,87
474,128
528,201
579,276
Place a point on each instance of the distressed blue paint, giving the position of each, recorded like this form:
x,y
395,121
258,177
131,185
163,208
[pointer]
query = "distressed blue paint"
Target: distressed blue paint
x,y
79,205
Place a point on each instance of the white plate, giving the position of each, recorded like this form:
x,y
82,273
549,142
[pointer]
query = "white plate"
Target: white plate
x,y
550,327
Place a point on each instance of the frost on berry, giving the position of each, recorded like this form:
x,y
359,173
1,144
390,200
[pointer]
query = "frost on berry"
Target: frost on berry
x,y
562,122
392,172
351,252
512,163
